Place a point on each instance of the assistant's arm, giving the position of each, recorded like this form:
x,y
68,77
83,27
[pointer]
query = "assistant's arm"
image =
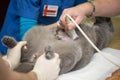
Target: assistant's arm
x,y
7,74
105,8
44,69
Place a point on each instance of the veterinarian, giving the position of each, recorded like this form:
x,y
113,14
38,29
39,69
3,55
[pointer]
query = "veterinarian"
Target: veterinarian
x,y
105,8
43,70
24,14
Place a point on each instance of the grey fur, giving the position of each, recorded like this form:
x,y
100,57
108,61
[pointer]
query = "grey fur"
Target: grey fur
x,y
74,54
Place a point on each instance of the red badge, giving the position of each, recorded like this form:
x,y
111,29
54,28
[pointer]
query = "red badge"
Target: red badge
x,y
50,10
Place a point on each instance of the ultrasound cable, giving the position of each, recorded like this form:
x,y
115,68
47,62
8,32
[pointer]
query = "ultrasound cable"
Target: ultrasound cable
x,y
93,45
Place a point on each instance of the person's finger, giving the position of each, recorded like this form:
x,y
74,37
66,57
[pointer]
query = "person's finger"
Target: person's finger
x,y
56,59
63,24
79,19
42,57
22,43
62,19
71,26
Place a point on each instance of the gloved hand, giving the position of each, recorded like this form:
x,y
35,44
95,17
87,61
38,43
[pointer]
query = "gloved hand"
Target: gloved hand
x,y
14,54
47,69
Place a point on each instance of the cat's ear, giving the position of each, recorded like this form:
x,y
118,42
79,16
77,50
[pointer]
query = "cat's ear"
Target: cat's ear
x,y
8,41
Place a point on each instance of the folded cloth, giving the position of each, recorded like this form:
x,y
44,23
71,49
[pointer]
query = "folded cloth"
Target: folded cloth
x,y
99,67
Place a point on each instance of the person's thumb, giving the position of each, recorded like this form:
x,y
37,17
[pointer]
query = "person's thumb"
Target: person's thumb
x,y
78,20
21,43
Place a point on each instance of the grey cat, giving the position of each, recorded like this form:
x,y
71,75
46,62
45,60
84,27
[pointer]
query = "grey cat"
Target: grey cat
x,y
74,54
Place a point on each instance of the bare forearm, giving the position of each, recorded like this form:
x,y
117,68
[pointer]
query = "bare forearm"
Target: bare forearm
x,y
11,75
23,76
107,8
4,70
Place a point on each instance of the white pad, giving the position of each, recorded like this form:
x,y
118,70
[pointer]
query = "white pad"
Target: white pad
x,y
98,69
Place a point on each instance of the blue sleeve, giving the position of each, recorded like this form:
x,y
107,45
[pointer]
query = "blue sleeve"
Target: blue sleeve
x,y
28,8
77,2
26,24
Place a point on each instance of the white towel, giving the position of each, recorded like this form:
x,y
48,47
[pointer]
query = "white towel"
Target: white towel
x,y
98,69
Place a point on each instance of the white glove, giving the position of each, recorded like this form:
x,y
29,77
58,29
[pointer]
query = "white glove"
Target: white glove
x,y
14,54
47,69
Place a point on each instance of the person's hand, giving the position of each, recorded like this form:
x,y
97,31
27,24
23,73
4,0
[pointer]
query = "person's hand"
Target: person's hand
x,y
14,54
47,69
78,13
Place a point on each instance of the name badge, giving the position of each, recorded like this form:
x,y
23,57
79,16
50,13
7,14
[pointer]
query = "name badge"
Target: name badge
x,y
50,10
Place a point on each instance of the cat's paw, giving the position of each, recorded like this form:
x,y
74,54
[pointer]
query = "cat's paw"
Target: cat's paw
x,y
8,41
49,54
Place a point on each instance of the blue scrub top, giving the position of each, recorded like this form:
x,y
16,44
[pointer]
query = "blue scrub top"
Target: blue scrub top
x,y
32,9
